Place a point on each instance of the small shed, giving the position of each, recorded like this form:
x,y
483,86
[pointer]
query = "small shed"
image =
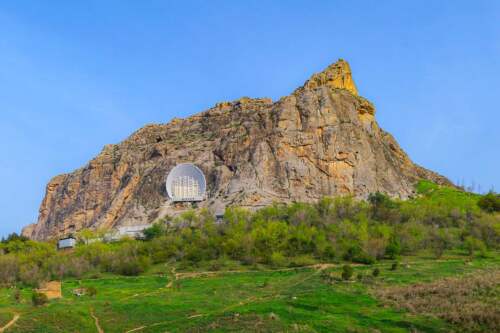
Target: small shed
x,y
66,243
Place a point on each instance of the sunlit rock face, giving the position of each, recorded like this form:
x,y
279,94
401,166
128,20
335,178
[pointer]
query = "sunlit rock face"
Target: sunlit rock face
x,y
321,140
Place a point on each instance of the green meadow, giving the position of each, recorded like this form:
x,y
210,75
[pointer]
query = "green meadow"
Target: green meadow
x,y
309,299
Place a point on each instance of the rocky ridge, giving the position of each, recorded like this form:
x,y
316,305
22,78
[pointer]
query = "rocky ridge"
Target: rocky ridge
x,y
321,140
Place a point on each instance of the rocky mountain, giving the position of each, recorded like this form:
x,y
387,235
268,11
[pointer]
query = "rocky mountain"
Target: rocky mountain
x,y
321,140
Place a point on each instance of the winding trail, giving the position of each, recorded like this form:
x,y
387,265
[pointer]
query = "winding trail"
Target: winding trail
x,y
136,329
318,268
10,323
96,320
190,275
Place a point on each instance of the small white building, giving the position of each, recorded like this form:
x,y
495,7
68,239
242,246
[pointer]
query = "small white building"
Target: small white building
x,y
66,243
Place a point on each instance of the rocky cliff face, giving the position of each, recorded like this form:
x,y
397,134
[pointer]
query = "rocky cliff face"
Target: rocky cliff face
x,y
322,140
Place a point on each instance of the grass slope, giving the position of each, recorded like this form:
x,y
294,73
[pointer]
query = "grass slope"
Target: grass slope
x,y
296,300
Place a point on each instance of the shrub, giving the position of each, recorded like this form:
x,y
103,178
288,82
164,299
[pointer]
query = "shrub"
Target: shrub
x,y
356,254
30,274
9,269
91,291
303,260
156,230
469,302
375,248
489,202
39,299
473,244
359,276
439,241
347,272
277,259
393,249
77,266
17,295
131,266
394,266
376,272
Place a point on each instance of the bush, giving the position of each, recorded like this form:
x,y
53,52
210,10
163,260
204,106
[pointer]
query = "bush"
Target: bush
x,y
301,234
17,295
469,302
9,270
439,241
357,255
376,272
489,202
300,261
359,276
30,274
347,272
39,299
473,244
91,291
131,266
277,259
394,266
155,231
393,249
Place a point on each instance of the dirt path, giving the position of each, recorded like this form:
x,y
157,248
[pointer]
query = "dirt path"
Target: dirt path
x,y
189,275
252,299
96,320
10,323
136,329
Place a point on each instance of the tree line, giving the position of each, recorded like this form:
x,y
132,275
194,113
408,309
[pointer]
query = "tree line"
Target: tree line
x,y
336,229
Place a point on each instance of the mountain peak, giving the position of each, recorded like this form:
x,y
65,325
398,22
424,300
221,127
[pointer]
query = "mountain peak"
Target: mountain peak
x,y
320,141
338,76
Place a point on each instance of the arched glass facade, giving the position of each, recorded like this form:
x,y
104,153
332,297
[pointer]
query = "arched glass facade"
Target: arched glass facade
x,y
186,182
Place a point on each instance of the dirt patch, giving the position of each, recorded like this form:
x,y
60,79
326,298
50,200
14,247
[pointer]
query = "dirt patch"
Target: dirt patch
x,y
96,320
51,289
136,329
471,302
190,275
10,323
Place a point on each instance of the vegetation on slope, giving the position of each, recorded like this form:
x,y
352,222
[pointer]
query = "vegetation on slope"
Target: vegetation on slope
x,y
309,268
334,229
314,299
471,302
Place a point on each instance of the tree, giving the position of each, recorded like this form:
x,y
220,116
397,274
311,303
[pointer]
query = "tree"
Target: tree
x,y
489,202
439,241
9,269
473,244
382,206
393,249
39,299
156,230
347,272
14,237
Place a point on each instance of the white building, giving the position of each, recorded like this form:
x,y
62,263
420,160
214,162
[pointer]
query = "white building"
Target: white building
x,y
66,243
186,183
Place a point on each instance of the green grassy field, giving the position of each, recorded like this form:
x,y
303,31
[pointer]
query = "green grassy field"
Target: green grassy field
x,y
299,300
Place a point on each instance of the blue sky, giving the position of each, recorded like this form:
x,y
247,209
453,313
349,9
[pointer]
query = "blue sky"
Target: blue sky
x,y
75,76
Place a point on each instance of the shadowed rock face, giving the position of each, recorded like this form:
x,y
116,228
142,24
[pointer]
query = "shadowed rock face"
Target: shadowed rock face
x,y
322,140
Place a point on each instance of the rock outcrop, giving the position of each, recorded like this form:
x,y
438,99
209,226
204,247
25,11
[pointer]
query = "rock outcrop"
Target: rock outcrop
x,y
322,140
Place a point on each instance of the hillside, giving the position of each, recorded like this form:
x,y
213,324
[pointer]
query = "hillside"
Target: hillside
x,y
426,264
313,299
321,140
